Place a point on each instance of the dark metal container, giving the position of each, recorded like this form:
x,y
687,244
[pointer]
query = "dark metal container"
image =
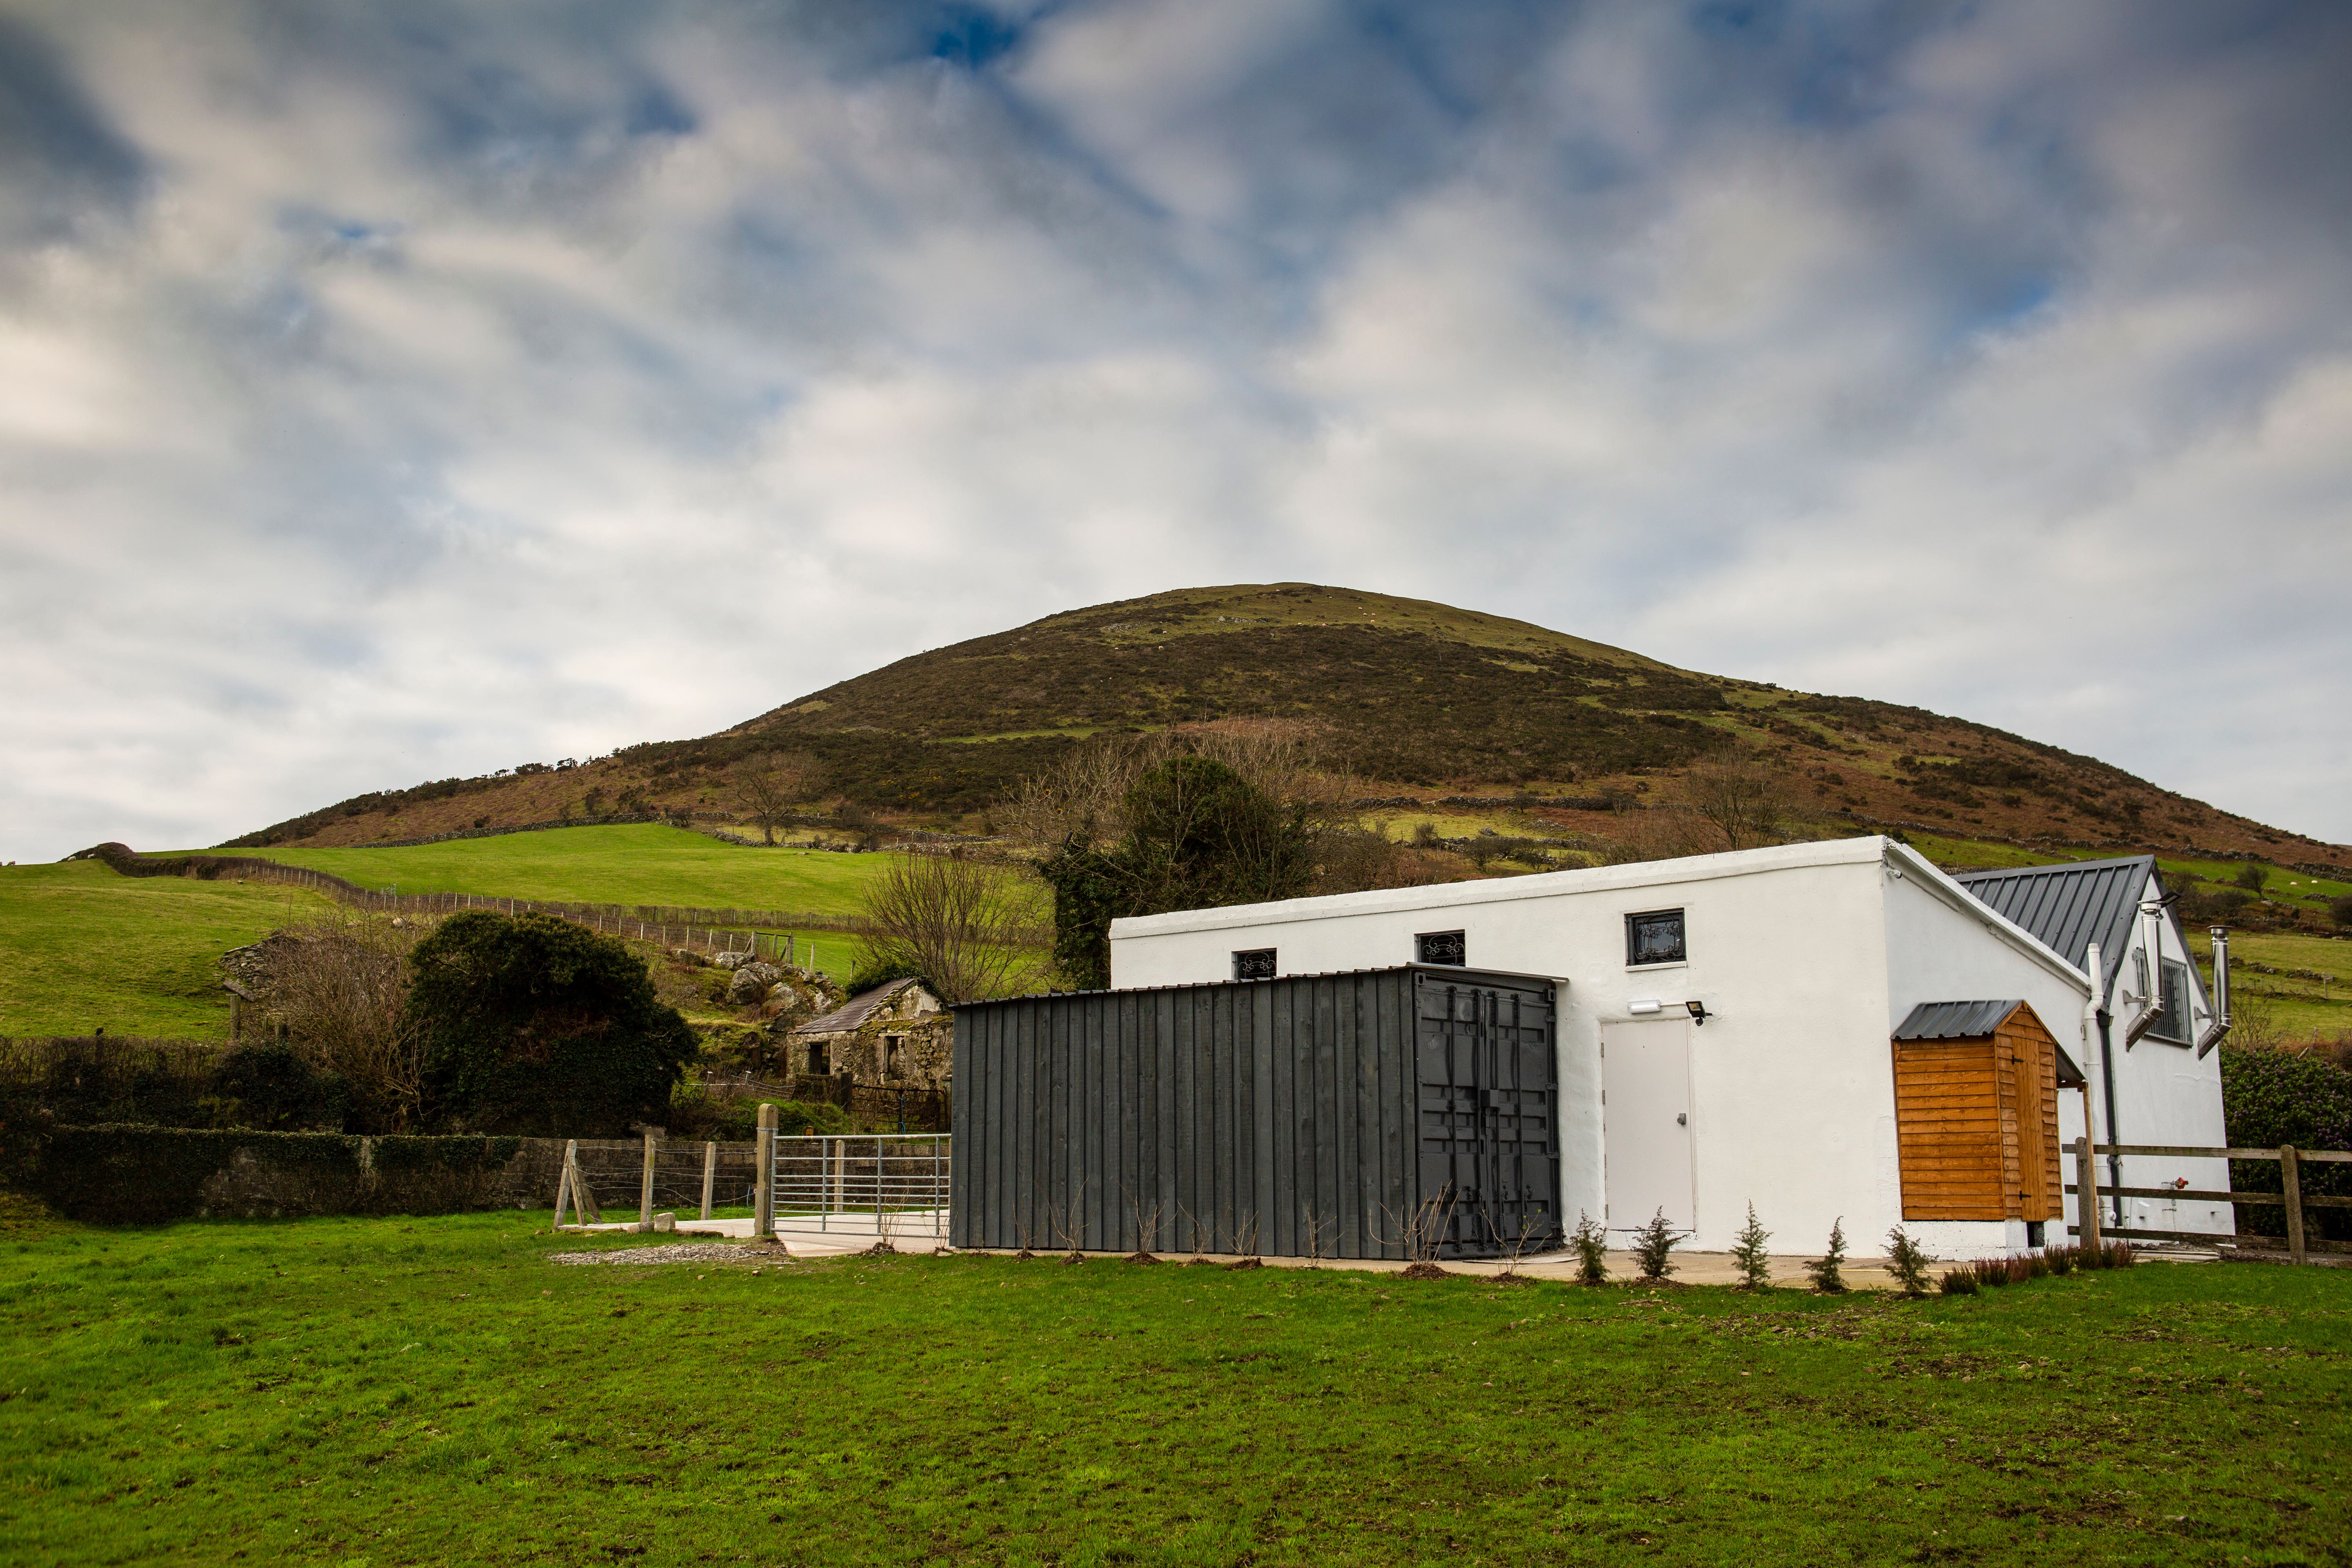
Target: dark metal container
x,y
1382,1114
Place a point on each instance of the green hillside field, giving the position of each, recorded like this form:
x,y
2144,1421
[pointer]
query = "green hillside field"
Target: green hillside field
x,y
637,863
83,948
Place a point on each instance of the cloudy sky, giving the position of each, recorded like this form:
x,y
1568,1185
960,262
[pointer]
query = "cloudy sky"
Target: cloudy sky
x,y
394,392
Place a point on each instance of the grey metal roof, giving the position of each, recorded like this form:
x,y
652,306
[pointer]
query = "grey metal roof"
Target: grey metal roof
x,y
2073,905
1954,1020
851,1016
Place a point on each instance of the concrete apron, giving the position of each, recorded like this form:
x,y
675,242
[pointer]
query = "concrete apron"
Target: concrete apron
x,y
1690,1268
843,1233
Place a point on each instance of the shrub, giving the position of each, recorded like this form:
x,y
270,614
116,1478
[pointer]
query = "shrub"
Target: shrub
x,y
1907,1262
1828,1270
2253,875
2270,1097
1591,1250
1750,1254
1654,1247
2340,909
531,1024
270,1086
1959,1282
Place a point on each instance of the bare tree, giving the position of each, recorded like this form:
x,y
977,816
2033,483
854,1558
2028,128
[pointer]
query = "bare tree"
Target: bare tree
x,y
341,987
1741,797
769,785
958,922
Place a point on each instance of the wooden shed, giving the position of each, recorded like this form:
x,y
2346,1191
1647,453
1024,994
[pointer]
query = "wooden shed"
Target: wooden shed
x,y
1976,1112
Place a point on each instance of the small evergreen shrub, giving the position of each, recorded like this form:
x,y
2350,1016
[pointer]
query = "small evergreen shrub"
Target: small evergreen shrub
x,y
1959,1282
1828,1270
1654,1247
1907,1262
1591,1245
1751,1255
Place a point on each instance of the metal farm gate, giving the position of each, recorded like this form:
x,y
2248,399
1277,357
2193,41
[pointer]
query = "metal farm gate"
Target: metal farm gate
x,y
1332,1116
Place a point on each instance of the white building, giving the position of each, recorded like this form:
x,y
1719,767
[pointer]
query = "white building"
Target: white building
x,y
1728,1034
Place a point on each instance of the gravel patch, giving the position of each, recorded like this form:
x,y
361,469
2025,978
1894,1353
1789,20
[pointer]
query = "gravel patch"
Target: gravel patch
x,y
680,1252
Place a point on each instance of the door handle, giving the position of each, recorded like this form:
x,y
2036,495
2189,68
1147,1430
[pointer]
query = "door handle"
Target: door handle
x,y
1682,1119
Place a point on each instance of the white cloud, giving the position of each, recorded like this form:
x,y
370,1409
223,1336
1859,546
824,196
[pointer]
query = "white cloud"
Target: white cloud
x,y
510,385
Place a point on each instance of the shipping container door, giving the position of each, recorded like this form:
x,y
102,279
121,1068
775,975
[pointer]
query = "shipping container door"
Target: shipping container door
x,y
1486,1104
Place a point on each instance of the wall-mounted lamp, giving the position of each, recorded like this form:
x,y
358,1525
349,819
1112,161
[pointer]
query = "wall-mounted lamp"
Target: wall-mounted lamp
x,y
1699,1015
1650,1006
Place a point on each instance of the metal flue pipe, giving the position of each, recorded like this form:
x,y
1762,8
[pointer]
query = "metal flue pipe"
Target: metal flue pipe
x,y
2221,1024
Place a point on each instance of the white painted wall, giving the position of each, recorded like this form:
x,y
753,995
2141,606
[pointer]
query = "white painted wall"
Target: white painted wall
x,y
1944,945
1799,950
2165,1095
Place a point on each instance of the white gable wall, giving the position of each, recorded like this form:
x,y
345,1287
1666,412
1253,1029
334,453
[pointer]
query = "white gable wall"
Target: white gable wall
x,y
2164,1095
1944,945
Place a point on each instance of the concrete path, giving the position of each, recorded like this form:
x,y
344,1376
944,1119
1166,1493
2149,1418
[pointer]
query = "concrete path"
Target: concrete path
x,y
842,1233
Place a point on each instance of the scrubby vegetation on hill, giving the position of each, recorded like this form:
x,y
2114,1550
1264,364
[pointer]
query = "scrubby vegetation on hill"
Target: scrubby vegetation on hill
x,y
1417,699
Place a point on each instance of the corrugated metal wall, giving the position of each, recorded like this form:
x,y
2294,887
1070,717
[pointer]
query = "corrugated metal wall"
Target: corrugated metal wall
x,y
1278,1116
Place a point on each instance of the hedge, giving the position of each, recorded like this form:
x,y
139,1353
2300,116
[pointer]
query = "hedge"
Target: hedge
x,y
2272,1098
126,1174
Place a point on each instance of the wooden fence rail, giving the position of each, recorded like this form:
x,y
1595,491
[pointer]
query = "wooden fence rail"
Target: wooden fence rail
x,y
2290,1197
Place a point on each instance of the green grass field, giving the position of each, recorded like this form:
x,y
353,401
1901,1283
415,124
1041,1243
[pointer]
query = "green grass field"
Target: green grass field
x,y
376,1392
640,863
82,947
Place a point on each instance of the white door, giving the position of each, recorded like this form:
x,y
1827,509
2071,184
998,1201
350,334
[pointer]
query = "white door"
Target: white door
x,y
1645,1123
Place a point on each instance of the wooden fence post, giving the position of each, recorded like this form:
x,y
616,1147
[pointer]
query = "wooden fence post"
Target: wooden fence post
x,y
2291,1179
563,1185
710,1175
2087,1193
645,1191
763,1188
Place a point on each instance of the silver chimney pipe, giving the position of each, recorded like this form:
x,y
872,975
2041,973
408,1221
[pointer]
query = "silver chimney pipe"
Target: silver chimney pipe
x,y
2151,934
2221,1024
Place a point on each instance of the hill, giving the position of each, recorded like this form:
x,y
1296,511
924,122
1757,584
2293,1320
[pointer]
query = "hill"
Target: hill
x,y
1419,700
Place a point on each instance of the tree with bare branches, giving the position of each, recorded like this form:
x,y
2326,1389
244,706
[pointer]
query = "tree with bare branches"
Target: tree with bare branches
x,y
957,921
340,983
769,785
1742,797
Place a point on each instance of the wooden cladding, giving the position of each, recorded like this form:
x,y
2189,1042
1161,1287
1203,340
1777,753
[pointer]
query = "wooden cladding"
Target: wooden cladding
x,y
1976,1122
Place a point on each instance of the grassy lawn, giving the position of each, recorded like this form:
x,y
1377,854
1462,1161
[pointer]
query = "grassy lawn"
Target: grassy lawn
x,y
638,863
81,947
380,1391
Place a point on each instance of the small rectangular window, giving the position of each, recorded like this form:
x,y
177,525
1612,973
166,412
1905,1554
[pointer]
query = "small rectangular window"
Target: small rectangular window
x,y
1440,947
2175,1024
1257,964
1655,937
818,1066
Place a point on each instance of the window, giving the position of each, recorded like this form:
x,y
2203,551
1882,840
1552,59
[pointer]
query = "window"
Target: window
x,y
1257,964
1440,947
1654,938
894,1050
818,1066
2176,1023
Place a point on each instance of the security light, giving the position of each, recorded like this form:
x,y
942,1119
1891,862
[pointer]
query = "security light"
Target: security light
x,y
1698,1013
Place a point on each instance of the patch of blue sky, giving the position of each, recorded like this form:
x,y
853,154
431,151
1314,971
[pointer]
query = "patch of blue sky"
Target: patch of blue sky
x,y
974,35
